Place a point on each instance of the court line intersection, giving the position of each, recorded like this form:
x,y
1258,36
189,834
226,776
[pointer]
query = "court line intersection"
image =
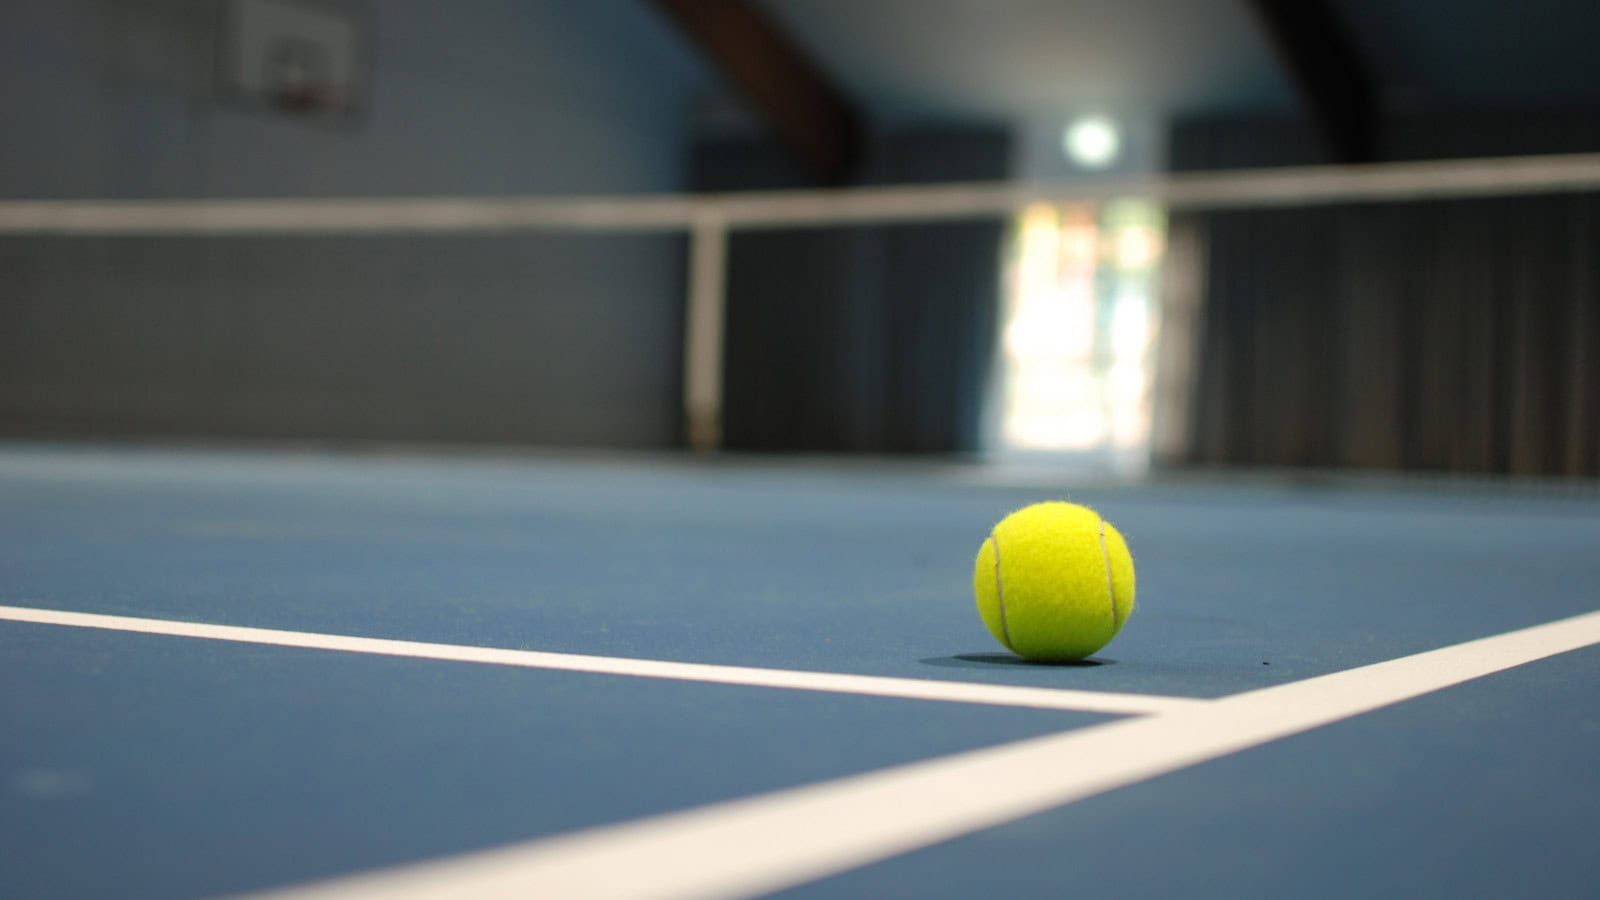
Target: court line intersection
x,y
767,842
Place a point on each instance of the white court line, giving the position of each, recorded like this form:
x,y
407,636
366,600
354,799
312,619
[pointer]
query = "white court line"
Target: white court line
x,y
769,842
869,685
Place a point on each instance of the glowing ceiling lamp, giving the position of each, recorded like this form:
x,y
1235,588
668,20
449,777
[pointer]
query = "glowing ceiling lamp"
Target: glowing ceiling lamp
x,y
1092,142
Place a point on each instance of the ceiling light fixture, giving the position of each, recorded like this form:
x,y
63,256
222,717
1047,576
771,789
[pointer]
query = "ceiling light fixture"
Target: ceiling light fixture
x,y
1092,142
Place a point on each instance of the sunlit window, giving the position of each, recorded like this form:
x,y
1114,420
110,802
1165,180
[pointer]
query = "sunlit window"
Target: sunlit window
x,y
1080,321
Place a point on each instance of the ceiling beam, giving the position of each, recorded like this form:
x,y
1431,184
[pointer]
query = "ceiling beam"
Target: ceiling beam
x,y
1315,46
817,121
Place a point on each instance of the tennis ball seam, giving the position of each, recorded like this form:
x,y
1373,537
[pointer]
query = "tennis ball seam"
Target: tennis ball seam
x,y
1000,594
1111,580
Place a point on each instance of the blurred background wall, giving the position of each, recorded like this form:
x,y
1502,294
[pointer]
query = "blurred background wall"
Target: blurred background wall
x,y
1458,335
1448,335
864,339
568,341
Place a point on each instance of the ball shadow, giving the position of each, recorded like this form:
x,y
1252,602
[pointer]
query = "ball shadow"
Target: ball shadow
x,y
1002,660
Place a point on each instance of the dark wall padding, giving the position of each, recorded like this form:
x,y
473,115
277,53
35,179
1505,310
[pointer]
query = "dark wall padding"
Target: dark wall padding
x,y
1459,336
861,339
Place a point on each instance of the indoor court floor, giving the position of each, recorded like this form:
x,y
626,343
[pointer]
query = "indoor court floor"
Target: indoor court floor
x,y
229,671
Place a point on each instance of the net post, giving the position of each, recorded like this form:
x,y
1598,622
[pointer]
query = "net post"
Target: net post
x,y
703,344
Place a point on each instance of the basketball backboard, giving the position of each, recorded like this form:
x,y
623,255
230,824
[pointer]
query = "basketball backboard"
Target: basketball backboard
x,y
300,58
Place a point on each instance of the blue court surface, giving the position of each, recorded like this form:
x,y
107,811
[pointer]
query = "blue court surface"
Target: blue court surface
x,y
227,672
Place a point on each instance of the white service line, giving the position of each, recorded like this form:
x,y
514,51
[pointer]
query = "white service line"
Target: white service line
x,y
769,842
869,685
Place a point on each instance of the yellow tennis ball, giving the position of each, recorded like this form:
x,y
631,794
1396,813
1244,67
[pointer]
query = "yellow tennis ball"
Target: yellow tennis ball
x,y
1054,582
